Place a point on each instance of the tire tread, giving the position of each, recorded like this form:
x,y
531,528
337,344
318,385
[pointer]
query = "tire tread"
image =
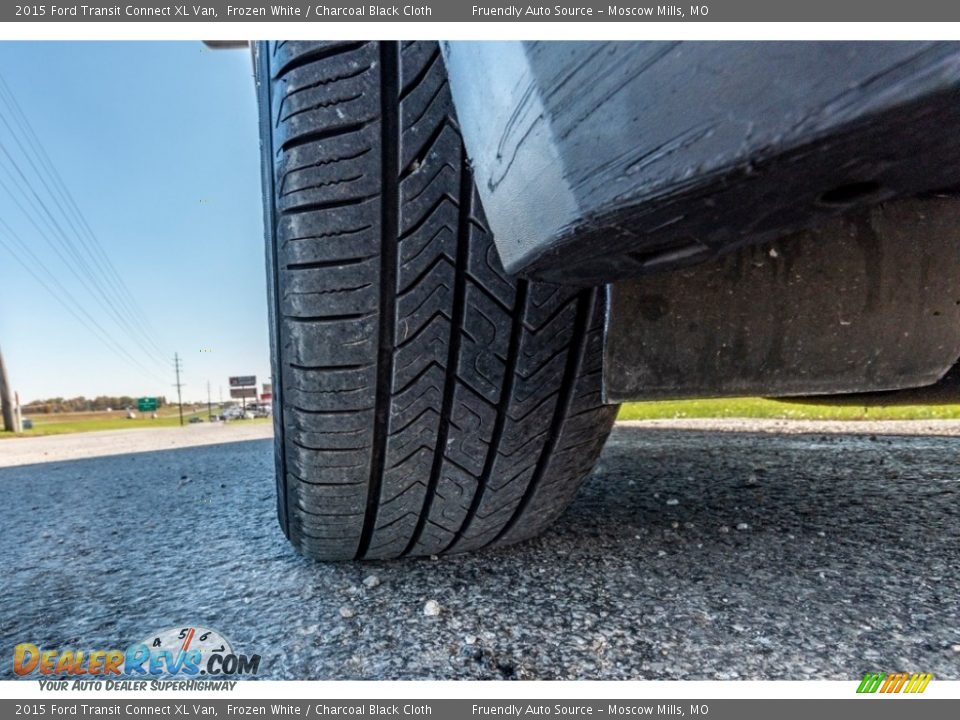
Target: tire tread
x,y
429,403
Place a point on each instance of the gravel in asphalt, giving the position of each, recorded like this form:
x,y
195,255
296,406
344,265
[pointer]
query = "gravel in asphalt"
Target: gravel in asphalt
x,y
688,555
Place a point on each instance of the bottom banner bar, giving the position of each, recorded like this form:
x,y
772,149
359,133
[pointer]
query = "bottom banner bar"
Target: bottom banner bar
x,y
873,707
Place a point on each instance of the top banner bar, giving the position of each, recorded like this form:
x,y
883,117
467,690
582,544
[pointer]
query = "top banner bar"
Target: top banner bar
x,y
628,11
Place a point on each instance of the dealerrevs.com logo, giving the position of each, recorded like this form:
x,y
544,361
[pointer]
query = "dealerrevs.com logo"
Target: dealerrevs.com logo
x,y
184,652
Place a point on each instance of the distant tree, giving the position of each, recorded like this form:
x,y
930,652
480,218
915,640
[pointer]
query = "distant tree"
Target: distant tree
x,y
82,404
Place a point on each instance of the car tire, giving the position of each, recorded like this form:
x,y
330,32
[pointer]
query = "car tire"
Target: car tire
x,y
424,401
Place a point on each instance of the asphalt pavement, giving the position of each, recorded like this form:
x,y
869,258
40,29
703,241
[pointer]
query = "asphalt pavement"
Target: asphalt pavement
x,y
687,555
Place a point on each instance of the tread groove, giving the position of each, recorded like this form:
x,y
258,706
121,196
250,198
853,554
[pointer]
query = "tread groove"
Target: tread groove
x,y
328,368
412,85
328,205
390,230
421,154
585,303
315,55
328,318
320,264
453,350
323,134
308,411
506,394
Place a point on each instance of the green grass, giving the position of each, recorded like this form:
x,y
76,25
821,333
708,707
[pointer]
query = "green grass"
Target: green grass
x,y
727,407
58,424
763,408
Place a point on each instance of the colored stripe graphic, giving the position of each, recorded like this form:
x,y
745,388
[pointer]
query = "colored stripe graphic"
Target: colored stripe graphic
x,y
918,682
870,683
894,683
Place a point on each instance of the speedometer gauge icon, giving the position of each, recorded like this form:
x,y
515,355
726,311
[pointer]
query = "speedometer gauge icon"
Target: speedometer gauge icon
x,y
184,639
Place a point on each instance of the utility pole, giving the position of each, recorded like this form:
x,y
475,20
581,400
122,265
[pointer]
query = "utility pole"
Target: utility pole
x,y
6,401
177,368
209,406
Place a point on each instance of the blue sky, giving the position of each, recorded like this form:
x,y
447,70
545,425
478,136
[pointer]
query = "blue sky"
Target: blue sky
x,y
157,143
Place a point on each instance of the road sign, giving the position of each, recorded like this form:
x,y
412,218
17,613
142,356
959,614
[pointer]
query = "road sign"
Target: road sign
x,y
243,381
146,404
243,392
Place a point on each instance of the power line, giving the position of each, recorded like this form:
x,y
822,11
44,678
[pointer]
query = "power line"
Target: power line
x,y
111,302
94,247
90,281
81,315
73,307
60,254
43,157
